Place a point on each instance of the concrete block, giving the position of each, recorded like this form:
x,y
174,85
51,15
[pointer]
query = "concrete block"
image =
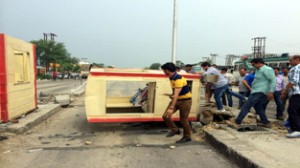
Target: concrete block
x,y
63,100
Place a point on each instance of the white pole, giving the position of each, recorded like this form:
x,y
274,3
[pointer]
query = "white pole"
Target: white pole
x,y
174,32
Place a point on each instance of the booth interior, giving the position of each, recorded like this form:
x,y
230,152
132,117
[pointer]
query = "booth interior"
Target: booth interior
x,y
140,97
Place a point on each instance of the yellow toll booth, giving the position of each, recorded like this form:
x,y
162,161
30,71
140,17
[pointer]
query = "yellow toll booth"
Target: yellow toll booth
x,y
17,77
113,95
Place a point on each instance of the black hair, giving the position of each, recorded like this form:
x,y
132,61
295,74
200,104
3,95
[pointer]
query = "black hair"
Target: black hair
x,y
285,67
214,65
257,60
169,66
243,69
276,68
188,65
296,57
204,64
224,69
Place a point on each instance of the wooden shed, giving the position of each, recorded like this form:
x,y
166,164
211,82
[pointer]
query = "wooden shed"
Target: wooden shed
x,y
17,77
133,95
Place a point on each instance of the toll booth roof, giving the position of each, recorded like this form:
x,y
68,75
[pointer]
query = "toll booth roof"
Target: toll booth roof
x,y
134,72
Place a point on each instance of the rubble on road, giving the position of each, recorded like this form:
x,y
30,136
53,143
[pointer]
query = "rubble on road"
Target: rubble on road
x,y
210,117
63,100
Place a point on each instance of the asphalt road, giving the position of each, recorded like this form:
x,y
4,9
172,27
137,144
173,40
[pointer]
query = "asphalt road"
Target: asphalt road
x,y
66,140
59,86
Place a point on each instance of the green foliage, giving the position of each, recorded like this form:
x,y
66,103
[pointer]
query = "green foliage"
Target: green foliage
x,y
155,66
46,76
99,65
76,68
51,52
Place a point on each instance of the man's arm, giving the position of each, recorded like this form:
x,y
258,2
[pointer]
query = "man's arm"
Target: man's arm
x,y
174,97
294,80
270,76
283,85
171,106
246,64
247,85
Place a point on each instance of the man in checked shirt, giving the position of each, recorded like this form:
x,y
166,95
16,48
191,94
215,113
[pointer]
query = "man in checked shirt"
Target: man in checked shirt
x,y
293,90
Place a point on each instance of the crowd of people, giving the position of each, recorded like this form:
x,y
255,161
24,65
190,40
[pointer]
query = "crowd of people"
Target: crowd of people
x,y
256,88
257,85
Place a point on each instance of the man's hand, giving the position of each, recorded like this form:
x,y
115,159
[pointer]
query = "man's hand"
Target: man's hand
x,y
283,94
270,96
168,113
244,57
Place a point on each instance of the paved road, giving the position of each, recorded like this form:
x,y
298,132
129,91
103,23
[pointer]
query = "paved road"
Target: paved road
x,y
65,86
66,140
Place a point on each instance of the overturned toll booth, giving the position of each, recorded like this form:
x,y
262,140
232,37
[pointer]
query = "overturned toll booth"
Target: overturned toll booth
x,y
17,77
133,95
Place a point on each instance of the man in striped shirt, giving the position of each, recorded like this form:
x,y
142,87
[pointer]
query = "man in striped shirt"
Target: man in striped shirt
x,y
181,99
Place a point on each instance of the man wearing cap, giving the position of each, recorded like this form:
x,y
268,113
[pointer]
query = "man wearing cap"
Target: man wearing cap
x,y
181,99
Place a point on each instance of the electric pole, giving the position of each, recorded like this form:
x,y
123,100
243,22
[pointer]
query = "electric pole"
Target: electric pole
x,y
174,32
213,58
230,58
259,47
52,36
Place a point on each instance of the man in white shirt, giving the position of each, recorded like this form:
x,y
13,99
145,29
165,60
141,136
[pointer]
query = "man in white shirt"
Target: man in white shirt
x,y
220,83
228,91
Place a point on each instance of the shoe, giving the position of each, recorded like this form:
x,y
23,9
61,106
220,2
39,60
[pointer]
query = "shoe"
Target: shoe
x,y
245,129
266,125
222,111
171,134
295,134
184,140
3,138
231,123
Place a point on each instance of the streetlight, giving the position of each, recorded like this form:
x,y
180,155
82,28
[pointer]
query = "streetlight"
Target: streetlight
x,y
174,32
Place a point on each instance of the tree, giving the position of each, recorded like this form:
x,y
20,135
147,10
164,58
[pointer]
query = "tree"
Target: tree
x,y
76,68
51,52
155,66
99,65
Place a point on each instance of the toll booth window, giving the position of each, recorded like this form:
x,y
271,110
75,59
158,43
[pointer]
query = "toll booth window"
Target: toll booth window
x,y
21,67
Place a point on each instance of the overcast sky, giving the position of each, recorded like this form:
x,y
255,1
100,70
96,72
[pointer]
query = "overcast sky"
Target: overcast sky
x,y
137,33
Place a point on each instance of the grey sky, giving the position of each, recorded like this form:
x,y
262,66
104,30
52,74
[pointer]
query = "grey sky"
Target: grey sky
x,y
137,33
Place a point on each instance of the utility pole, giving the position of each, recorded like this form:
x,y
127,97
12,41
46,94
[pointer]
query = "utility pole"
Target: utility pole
x,y
229,59
206,59
52,36
174,32
213,58
259,47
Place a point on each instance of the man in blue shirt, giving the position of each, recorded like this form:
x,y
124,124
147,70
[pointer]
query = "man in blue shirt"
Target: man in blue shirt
x,y
248,81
